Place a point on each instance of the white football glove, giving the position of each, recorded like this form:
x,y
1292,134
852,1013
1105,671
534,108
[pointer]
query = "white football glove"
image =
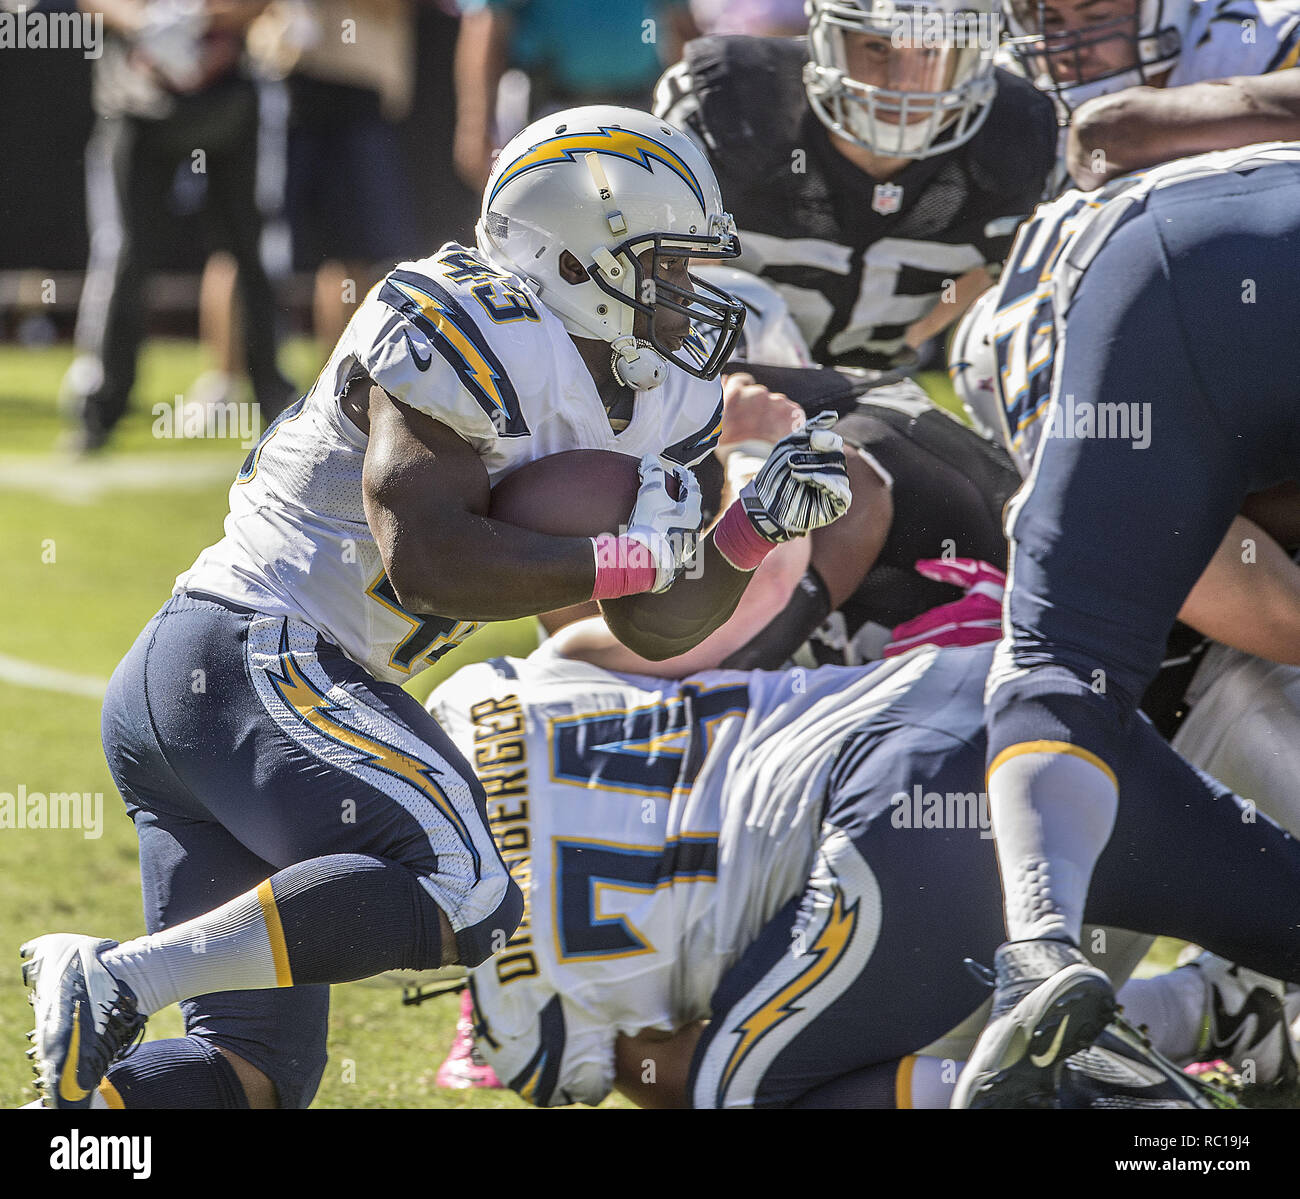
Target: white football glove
x,y
668,528
803,485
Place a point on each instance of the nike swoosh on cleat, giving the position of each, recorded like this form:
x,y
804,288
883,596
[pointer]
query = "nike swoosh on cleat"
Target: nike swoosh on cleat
x,y
1043,1060
69,1091
1227,1030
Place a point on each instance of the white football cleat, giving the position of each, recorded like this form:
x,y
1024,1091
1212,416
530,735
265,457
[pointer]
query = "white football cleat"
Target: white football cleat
x,y
1246,1022
85,1018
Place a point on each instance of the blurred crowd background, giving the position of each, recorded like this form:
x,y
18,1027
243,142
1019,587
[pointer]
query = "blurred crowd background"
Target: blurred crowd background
x,y
243,171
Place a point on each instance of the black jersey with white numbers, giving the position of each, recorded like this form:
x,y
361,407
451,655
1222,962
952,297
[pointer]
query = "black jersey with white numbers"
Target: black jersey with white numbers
x,y
857,260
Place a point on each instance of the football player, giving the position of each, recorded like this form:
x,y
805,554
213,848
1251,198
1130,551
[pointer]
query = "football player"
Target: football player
x,y
1193,1014
302,821
1233,715
875,169
1126,328
1144,81
924,487
802,860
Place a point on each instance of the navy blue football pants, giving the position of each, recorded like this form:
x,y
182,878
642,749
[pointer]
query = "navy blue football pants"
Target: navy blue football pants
x,y
244,744
867,965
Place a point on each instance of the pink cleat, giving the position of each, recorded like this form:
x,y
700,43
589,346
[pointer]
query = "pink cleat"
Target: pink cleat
x,y
464,1067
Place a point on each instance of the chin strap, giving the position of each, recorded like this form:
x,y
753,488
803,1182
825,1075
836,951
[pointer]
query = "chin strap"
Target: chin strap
x,y
636,364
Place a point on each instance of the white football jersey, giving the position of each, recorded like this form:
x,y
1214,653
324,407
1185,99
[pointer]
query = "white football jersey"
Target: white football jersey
x,y
1237,37
769,335
654,828
471,346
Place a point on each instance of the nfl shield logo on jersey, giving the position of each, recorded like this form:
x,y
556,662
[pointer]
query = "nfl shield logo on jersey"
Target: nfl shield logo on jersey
x,y
887,198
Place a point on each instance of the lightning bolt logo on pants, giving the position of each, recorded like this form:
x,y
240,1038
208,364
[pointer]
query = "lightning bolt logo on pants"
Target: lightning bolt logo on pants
x,y
829,947
316,709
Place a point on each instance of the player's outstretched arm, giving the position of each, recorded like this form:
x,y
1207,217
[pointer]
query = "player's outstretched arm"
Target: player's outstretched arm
x,y
803,485
658,627
1142,126
426,492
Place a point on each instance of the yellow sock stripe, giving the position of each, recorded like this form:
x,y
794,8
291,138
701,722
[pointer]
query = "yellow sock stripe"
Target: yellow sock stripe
x,y
1053,747
110,1096
903,1082
275,932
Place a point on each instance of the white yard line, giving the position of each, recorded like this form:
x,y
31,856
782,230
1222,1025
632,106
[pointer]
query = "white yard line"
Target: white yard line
x,y
50,678
61,478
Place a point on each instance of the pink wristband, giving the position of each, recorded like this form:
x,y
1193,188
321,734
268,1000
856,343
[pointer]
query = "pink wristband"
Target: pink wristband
x,y
623,567
738,541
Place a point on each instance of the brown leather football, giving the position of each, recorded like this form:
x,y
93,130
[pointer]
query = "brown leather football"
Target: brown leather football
x,y
575,493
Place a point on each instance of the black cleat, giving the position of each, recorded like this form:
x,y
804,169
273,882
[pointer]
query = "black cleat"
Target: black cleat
x,y
1122,1070
1049,1003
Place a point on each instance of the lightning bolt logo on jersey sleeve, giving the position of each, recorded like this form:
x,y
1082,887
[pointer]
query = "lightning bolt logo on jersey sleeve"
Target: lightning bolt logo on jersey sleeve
x,y
427,313
699,444
449,331
459,340
552,1057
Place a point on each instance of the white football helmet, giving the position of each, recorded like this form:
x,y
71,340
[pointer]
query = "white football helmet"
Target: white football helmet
x,y
1065,51
607,184
973,368
923,85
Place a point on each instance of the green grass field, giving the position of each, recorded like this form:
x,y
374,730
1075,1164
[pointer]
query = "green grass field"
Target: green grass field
x,y
89,552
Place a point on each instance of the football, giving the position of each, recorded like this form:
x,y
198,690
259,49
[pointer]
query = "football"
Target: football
x,y
576,493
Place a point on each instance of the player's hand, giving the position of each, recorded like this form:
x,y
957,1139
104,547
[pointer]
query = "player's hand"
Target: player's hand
x,y
971,620
753,416
802,486
668,528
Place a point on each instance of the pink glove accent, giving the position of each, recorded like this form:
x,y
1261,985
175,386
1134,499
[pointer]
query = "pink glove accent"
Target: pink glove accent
x,y
970,574
623,567
738,541
971,620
